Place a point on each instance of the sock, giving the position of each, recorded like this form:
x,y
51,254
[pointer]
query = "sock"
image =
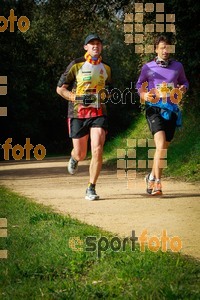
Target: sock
x,y
151,177
91,185
158,180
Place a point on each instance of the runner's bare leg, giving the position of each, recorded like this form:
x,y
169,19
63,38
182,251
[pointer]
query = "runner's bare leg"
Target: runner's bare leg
x,y
97,136
79,150
161,148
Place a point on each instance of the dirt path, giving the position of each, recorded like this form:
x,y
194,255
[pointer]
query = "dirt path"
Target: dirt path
x,y
120,209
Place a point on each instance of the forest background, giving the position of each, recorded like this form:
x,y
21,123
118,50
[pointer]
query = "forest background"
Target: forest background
x,y
34,60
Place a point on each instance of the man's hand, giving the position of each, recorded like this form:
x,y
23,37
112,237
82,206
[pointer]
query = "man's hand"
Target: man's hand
x,y
182,88
71,96
65,93
151,97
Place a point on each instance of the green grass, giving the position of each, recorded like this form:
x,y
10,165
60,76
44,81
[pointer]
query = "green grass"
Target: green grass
x,y
184,152
41,265
183,156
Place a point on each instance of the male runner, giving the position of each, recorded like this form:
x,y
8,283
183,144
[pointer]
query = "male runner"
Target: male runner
x,y
161,85
81,84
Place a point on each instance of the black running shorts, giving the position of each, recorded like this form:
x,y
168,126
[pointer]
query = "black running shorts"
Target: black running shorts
x,y
157,123
81,127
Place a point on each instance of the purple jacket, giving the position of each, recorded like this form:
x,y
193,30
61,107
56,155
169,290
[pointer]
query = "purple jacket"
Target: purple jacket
x,y
156,75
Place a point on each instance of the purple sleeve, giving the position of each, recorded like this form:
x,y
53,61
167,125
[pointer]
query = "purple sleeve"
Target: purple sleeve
x,y
142,78
182,80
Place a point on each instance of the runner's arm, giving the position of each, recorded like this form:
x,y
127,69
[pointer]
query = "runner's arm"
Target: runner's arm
x,y
66,81
142,84
65,93
183,83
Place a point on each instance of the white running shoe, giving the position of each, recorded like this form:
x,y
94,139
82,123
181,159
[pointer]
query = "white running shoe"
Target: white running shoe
x,y
91,194
72,166
150,184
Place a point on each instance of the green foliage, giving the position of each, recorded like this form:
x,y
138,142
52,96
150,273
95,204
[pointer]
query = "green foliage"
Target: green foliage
x,y
39,56
34,61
